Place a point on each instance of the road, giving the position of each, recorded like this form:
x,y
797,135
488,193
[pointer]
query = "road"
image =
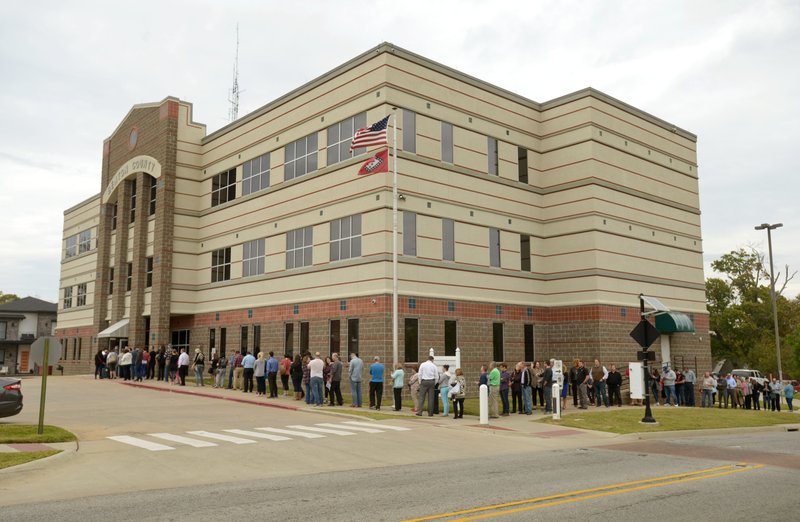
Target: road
x,y
433,467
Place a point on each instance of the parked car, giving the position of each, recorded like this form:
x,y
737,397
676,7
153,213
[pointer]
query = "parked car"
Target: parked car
x,y
747,374
10,396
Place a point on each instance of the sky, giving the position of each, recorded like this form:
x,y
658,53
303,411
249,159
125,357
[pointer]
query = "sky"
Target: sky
x,y
726,71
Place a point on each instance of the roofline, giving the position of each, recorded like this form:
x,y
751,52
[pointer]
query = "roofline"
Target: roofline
x,y
152,105
387,47
82,203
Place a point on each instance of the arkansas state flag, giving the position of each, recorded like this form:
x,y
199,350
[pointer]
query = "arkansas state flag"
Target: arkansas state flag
x,y
377,163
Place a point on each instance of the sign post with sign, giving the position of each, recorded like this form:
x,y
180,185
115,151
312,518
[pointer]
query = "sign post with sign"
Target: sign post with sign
x,y
646,334
44,352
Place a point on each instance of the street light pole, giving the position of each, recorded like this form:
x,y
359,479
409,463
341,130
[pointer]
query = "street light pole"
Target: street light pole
x,y
769,228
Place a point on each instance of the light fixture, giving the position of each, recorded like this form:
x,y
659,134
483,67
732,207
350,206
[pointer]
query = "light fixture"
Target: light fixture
x,y
401,197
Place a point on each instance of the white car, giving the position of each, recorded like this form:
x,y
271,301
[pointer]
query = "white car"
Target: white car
x,y
747,374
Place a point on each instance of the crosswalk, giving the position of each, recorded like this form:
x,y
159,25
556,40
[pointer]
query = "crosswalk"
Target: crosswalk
x,y
209,439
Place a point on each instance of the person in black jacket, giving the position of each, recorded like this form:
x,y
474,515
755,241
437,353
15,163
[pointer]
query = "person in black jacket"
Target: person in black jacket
x,y
614,382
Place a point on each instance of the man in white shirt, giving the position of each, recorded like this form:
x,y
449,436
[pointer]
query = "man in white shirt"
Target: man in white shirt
x,y
183,366
315,367
428,374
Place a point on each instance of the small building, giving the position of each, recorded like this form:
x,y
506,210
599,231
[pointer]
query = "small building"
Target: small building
x,y
22,322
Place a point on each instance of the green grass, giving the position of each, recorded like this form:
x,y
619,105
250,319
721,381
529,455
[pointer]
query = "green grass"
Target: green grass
x,y
27,434
670,419
15,459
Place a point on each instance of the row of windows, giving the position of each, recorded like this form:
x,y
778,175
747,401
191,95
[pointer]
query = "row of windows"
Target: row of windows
x,y
80,296
152,187
78,243
129,276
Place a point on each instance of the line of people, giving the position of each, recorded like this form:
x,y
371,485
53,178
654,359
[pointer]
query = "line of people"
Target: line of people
x,y
746,393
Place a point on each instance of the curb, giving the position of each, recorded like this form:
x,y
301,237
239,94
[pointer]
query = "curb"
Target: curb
x,y
711,432
64,449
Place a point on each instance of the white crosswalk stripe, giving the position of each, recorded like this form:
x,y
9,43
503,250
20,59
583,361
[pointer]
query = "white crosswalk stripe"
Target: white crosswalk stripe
x,y
183,440
248,433
381,426
321,430
293,433
140,443
352,428
219,436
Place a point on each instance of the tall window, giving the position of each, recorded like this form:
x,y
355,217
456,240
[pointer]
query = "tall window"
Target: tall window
x,y
153,191
223,341
81,296
522,164
180,339
352,337
256,339
111,281
497,341
212,341
448,240
133,202
346,237
288,339
493,156
340,135
129,279
528,342
243,339
301,157
3,326
149,273
114,209
84,241
253,258
67,297
304,337
223,187
409,131
334,342
299,246
409,233
255,174
72,246
450,337
411,340
494,247
221,265
447,142
525,253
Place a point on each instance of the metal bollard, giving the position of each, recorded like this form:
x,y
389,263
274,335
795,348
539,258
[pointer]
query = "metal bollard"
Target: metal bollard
x,y
483,396
557,400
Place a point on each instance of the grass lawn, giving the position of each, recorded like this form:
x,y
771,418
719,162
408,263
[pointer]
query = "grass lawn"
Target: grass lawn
x,y
671,419
14,459
26,433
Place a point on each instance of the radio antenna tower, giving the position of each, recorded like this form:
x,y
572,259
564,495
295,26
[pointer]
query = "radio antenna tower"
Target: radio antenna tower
x,y
233,94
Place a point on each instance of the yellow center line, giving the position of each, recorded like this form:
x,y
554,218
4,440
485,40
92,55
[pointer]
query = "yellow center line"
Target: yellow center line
x,y
600,491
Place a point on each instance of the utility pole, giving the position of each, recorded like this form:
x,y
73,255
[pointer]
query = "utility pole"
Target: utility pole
x,y
769,228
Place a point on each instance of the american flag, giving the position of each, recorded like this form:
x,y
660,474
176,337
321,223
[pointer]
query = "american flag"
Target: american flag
x,y
369,136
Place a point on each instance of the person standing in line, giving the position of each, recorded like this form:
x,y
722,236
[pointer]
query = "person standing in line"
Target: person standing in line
x,y
238,369
494,389
335,394
536,384
161,360
505,383
199,364
573,381
458,389
709,385
183,366
172,369
376,371
599,376
125,364
680,380
756,390
248,365
614,382
730,386
669,387
788,394
231,367
584,379
271,368
326,378
296,372
151,364
144,364
775,389
111,363
526,383
516,391
307,379
136,358
219,376
547,385
428,375
444,390
398,376
259,372
99,364
354,371
285,372
315,369
690,380
413,387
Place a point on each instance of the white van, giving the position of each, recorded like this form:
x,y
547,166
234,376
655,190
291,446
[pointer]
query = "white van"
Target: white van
x,y
747,374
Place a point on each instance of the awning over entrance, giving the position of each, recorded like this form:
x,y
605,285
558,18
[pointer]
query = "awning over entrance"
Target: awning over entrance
x,y
118,330
670,322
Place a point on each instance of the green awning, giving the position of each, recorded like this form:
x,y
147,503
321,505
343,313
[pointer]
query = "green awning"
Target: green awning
x,y
670,322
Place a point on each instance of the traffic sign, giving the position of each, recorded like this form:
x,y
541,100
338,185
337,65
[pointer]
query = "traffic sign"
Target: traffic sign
x,y
37,351
645,334
644,355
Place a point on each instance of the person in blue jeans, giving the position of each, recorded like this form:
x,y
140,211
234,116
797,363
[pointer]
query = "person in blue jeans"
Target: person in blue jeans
x,y
444,389
527,390
354,371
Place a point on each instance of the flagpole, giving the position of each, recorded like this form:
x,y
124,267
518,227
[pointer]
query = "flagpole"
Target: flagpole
x,y
394,238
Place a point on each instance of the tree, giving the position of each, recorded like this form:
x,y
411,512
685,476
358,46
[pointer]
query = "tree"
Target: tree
x,y
7,298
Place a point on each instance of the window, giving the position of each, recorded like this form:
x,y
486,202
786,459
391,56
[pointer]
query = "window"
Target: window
x,y
255,174
352,337
212,340
340,135
3,329
447,142
222,341
288,339
221,265
149,273
346,238
153,190
253,258
72,246
522,164
448,240
79,342
223,188
494,247
304,337
409,233
133,202
67,297
528,342
409,131
299,245
243,339
111,281
525,253
84,241
497,341
256,339
411,340
81,295
114,216
450,337
180,339
492,147
130,278
301,157
333,336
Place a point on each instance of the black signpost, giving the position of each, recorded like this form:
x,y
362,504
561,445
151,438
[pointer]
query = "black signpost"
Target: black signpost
x,y
645,334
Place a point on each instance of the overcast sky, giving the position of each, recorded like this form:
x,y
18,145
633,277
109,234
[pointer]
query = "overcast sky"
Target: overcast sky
x,y
727,71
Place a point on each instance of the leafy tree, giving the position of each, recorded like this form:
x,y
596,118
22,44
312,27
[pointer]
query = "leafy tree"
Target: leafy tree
x,y
7,298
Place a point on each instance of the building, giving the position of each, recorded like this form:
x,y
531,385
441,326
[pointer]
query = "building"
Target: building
x,y
526,230
22,321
